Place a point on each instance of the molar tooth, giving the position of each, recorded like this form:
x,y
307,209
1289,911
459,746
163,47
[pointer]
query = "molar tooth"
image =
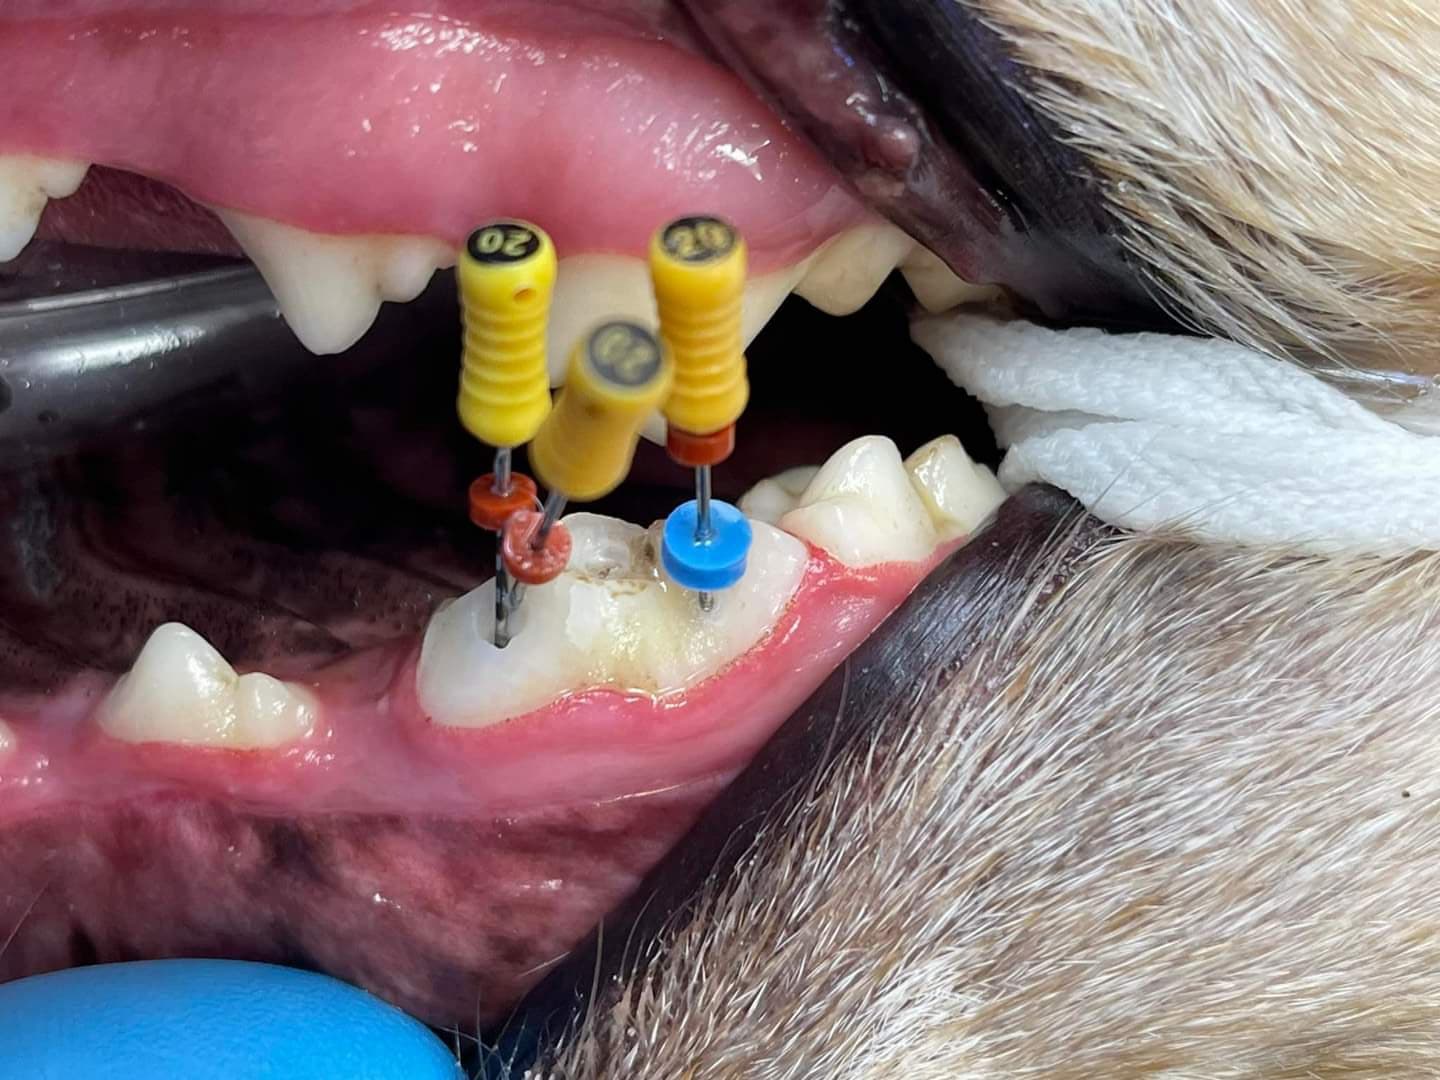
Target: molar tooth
x,y
612,619
958,492
182,690
937,287
775,496
26,184
861,507
330,287
852,266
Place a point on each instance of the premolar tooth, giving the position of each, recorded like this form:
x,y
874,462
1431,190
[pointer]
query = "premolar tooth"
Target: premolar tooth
x,y
26,183
182,690
775,496
330,287
612,619
958,492
862,508
937,287
848,270
592,288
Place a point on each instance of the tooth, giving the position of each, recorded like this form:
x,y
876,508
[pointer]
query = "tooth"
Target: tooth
x,y
848,270
330,287
182,690
958,492
937,287
592,288
775,496
862,508
7,738
26,183
611,619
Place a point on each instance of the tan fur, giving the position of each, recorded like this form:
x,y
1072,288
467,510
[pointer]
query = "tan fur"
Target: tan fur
x,y
1182,823
1275,163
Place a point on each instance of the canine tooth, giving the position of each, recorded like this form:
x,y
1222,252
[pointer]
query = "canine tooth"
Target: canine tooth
x,y
775,496
26,184
330,287
937,287
848,270
958,492
182,690
612,619
861,507
7,738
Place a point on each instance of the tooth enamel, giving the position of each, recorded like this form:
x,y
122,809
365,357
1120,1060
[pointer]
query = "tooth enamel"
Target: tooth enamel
x,y
592,288
959,493
937,287
862,508
848,270
612,619
330,287
7,738
182,690
26,184
775,496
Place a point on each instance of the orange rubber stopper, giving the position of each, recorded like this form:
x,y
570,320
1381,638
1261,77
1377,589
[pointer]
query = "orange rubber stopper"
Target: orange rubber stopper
x,y
692,451
490,510
526,564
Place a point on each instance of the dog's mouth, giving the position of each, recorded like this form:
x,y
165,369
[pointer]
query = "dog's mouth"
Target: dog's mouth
x,y
248,702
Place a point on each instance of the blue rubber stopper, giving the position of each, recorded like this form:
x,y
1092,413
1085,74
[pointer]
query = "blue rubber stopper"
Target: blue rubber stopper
x,y
208,1020
715,564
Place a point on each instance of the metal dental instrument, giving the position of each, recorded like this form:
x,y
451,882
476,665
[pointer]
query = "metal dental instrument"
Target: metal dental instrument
x,y
506,278
618,375
697,268
83,365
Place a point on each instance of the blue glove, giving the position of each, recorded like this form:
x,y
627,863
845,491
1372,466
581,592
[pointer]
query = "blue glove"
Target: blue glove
x,y
208,1020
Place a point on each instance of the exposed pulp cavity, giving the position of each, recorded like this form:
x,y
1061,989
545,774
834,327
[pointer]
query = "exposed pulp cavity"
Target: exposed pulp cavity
x,y
368,122
613,619
181,690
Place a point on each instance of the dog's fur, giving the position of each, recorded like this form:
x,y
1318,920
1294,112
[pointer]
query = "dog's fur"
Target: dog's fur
x,y
1181,821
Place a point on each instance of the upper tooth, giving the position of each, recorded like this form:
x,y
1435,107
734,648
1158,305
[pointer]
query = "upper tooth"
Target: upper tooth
x,y
612,619
7,738
330,287
25,184
181,690
848,270
862,508
959,493
937,287
775,496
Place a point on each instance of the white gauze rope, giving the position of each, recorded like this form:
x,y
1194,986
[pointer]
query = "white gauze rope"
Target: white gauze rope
x,y
1152,431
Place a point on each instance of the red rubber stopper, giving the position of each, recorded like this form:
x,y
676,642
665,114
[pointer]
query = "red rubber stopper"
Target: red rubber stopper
x,y
522,560
490,510
693,451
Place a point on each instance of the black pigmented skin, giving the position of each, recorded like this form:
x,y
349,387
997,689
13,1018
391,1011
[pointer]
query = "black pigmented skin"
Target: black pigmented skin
x,y
918,105
914,653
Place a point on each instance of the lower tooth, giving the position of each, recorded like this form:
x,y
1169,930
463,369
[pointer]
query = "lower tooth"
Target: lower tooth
x,y
181,690
862,508
26,184
959,494
774,497
330,287
612,619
